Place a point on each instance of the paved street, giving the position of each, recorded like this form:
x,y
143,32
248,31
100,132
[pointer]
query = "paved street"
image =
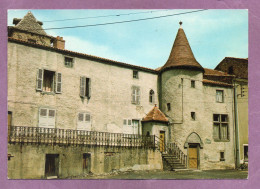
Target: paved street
x,y
184,174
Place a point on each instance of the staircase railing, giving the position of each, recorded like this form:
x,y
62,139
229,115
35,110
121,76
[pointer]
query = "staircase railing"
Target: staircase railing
x,y
174,149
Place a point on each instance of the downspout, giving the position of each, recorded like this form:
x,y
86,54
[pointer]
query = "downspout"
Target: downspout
x,y
237,156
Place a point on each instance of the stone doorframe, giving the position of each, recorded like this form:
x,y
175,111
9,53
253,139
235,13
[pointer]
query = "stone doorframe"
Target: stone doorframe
x,y
191,140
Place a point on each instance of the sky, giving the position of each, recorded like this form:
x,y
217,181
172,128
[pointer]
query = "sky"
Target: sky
x,y
213,34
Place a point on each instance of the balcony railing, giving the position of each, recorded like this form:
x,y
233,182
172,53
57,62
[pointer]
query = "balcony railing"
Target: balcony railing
x,y
40,135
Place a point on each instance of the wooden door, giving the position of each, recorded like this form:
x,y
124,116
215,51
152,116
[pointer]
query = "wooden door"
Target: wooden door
x,y
162,141
51,165
9,124
193,157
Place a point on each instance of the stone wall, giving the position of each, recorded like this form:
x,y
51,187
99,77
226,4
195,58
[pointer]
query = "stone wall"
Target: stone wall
x,y
202,101
28,161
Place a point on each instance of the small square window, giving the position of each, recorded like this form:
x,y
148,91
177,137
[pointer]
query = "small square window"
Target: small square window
x,y
68,62
193,115
192,84
135,74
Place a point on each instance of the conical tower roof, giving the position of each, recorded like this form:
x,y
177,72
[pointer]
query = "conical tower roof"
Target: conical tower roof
x,y
29,24
181,55
155,115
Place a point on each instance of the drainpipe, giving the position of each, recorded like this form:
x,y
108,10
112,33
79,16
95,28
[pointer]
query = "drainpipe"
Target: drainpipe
x,y
237,155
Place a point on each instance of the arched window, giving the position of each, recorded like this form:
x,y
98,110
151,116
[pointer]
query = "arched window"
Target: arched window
x,y
151,96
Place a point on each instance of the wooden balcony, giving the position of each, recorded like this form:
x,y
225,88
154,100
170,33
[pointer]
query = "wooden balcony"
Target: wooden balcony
x,y
55,136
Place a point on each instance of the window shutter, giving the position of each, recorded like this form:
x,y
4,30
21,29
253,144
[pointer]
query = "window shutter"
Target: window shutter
x,y
51,119
58,83
138,96
39,80
43,117
87,117
82,86
89,87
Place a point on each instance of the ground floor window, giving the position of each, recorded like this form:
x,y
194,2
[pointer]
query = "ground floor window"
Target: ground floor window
x,y
245,153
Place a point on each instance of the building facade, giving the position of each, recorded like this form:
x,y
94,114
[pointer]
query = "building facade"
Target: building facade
x,y
71,113
239,68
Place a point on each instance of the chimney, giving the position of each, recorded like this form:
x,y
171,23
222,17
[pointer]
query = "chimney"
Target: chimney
x,y
59,43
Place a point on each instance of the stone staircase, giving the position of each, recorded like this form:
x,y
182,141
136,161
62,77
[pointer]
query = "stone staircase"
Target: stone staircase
x,y
172,162
172,156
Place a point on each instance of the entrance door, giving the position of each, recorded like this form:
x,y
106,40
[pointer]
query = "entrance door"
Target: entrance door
x,y
193,157
9,124
52,165
86,162
162,141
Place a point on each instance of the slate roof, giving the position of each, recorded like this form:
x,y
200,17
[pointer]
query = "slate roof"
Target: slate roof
x,y
181,55
155,115
30,24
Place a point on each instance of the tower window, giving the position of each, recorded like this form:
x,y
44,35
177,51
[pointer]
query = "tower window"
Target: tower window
x,y
168,106
192,84
151,96
222,156
193,115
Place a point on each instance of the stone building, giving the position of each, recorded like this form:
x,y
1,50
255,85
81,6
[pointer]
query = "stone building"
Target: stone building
x,y
239,68
71,113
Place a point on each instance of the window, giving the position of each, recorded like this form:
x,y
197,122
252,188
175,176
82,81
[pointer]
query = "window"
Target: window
x,y
219,96
192,84
135,74
68,62
135,95
168,106
230,70
130,126
151,96
48,81
84,121
222,156
220,127
47,118
192,115
245,152
85,87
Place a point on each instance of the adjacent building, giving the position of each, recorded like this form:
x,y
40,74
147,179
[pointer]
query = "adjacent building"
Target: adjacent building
x,y
71,113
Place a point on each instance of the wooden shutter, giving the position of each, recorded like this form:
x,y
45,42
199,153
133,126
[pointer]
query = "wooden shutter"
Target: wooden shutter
x,y
89,87
39,80
58,82
138,96
82,86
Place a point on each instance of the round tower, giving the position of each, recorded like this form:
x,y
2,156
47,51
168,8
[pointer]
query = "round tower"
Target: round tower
x,y
181,89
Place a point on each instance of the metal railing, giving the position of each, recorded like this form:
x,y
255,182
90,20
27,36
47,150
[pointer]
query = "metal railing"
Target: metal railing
x,y
175,150
171,148
40,135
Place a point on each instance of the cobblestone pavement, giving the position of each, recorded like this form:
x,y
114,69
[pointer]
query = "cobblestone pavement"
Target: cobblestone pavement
x,y
182,174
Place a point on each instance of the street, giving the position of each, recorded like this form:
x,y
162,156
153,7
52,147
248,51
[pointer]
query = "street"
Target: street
x,y
182,174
